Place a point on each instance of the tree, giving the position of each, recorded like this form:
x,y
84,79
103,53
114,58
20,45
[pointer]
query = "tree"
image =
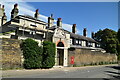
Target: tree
x,y
107,39
118,35
32,54
118,47
48,54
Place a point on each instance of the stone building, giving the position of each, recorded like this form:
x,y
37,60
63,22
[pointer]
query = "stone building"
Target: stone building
x,y
25,26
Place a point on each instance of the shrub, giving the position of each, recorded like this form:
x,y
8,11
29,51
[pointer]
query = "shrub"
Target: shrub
x,y
48,54
32,54
118,50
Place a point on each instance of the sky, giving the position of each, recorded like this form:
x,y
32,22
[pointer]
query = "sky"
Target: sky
x,y
90,15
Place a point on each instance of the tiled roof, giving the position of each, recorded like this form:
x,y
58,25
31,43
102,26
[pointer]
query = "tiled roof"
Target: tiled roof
x,y
77,36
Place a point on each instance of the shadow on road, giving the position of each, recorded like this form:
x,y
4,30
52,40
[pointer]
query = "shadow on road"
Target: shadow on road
x,y
115,75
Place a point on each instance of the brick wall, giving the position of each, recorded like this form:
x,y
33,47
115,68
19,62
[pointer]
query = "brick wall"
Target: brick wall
x,y
11,55
85,56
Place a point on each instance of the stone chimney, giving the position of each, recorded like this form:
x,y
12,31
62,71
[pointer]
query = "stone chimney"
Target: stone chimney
x,y
4,19
1,14
85,32
14,12
50,21
59,22
36,13
3,9
74,28
93,35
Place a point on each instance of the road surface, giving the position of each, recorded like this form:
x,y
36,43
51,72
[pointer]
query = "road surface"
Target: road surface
x,y
106,71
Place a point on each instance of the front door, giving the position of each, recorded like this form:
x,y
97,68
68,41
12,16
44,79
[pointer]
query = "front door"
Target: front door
x,y
61,56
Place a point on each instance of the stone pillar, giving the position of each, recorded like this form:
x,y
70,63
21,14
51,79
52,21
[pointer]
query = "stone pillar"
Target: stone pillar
x,y
56,58
65,57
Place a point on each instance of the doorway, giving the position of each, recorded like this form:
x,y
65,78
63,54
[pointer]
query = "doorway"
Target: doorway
x,y
60,53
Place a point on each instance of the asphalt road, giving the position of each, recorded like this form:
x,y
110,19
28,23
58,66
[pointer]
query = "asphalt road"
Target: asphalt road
x,y
107,71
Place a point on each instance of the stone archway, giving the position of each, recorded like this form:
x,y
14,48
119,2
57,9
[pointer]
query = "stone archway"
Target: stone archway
x,y
60,44
60,53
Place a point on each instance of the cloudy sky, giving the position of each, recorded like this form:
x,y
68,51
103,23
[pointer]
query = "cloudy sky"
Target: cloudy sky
x,y
90,15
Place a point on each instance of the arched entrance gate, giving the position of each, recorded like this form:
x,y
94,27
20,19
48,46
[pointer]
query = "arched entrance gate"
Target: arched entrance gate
x,y
60,53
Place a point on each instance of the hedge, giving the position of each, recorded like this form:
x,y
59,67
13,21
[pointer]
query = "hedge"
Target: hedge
x,y
32,54
48,54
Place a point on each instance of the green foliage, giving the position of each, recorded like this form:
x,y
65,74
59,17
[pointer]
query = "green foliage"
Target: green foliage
x,y
32,54
107,39
118,35
118,46
48,54
118,50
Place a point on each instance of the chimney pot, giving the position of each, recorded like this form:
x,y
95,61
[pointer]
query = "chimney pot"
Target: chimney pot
x,y
36,13
85,32
37,10
4,14
74,28
50,21
51,15
3,6
60,19
59,22
74,25
15,6
93,35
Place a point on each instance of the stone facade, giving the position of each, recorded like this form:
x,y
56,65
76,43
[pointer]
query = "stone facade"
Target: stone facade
x,y
87,56
25,26
64,37
11,53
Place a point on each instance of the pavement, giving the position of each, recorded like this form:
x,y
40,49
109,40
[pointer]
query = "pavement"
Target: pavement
x,y
104,71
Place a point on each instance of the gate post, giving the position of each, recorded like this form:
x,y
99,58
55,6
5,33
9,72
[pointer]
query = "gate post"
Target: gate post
x,y
65,57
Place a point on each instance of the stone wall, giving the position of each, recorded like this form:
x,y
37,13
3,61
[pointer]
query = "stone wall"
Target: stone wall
x,y
11,53
86,56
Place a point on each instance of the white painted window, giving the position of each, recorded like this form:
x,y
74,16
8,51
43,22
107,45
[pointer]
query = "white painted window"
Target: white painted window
x,y
30,32
77,41
93,44
80,42
83,43
70,41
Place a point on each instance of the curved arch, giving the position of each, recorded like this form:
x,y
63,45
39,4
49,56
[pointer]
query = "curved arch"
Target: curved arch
x,y
60,44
